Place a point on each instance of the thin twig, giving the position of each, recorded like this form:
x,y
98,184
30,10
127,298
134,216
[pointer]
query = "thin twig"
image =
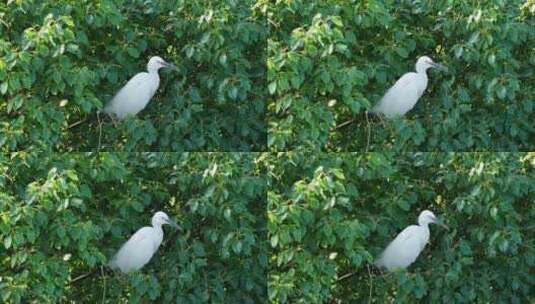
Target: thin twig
x,y
99,131
345,123
83,276
371,283
76,123
345,276
369,132
272,23
104,291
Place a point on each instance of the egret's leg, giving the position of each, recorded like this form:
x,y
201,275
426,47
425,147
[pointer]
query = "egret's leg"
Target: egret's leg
x,y
368,132
103,278
370,277
114,121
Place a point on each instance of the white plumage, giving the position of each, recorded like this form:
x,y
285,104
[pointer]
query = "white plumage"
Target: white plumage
x,y
140,248
407,245
136,94
404,94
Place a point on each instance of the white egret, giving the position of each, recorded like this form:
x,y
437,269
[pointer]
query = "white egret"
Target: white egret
x,y
140,248
404,94
138,91
406,247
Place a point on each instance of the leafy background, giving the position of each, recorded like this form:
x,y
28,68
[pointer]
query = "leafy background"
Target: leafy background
x,y
332,214
61,61
63,215
329,61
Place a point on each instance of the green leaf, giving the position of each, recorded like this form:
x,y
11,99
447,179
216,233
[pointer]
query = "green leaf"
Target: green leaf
x,y
504,245
272,87
380,76
233,93
112,76
223,59
133,52
501,92
493,212
354,105
402,52
7,242
3,88
274,240
404,205
337,21
237,246
198,249
492,59
227,214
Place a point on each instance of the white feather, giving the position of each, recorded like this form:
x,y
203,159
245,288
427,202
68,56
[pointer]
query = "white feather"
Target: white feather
x,y
404,94
405,248
138,91
408,245
138,250
141,246
134,96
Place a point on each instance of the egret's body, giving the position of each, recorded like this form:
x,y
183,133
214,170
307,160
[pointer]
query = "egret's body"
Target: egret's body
x,y
136,94
140,248
404,94
407,245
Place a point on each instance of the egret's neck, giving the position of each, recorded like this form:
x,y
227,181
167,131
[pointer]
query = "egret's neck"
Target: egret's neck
x,y
421,69
158,235
153,70
158,227
424,224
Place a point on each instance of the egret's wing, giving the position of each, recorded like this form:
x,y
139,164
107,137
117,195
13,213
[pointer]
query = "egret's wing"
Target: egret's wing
x,y
410,235
400,98
138,84
403,250
136,252
134,96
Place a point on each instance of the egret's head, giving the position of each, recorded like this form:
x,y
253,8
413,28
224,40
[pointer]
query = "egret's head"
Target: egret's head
x,y
425,63
156,62
160,218
428,217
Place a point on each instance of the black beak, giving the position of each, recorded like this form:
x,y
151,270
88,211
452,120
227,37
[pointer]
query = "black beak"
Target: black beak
x,y
438,66
174,224
170,65
441,223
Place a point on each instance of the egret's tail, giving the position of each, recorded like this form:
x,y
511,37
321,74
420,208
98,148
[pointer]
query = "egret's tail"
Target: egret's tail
x,y
112,264
379,263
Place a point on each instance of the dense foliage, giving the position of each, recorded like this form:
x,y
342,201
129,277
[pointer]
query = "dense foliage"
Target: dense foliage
x,y
61,61
329,61
331,215
64,215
